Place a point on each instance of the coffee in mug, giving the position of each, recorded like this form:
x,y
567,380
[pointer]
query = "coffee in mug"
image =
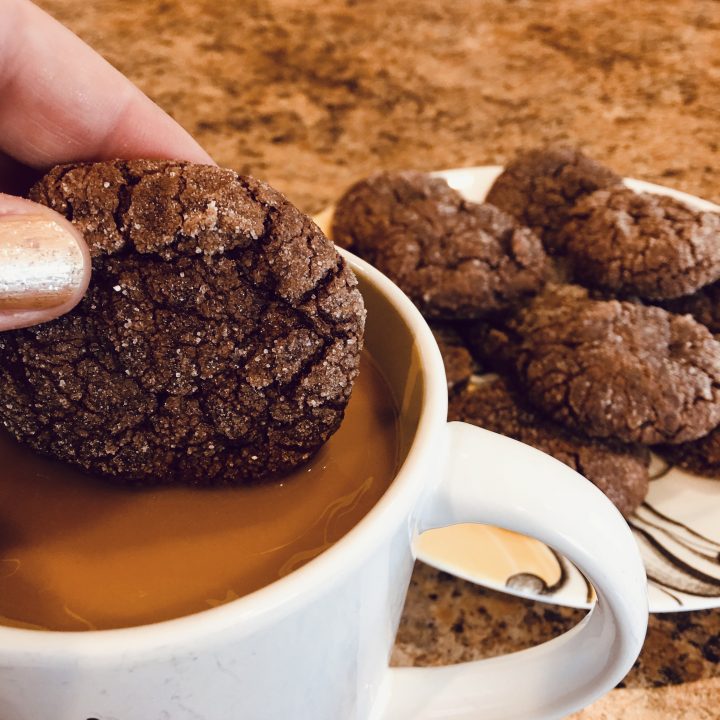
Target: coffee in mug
x,y
79,553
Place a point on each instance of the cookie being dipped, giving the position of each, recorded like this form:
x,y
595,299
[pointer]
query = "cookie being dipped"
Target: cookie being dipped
x,y
611,369
620,471
218,341
455,259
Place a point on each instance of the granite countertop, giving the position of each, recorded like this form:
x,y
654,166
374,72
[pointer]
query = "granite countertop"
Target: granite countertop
x,y
312,95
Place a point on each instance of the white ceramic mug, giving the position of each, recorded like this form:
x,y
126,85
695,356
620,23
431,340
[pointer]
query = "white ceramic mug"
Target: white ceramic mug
x,y
315,644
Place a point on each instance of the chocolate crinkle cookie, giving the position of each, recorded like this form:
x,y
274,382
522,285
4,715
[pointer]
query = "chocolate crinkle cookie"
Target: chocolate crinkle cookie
x,y
459,363
218,341
455,259
538,187
703,305
649,246
370,205
613,369
699,456
620,471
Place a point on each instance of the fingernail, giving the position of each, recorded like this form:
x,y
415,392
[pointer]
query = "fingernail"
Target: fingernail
x,y
41,263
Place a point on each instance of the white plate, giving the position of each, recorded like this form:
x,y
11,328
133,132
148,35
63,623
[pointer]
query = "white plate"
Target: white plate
x,y
677,528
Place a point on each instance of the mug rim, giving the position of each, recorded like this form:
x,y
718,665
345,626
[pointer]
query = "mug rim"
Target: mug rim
x,y
262,606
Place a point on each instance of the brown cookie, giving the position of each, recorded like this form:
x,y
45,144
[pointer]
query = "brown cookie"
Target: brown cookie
x,y
389,198
455,259
699,456
650,246
480,338
613,369
620,471
218,342
538,187
459,363
704,306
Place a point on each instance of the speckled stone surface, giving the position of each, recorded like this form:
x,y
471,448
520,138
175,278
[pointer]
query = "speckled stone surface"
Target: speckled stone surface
x,y
312,95
449,620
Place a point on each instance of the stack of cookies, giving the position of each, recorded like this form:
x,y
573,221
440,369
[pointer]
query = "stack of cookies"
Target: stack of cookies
x,y
593,304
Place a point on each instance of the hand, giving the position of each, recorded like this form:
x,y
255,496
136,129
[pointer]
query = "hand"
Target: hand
x,y
61,102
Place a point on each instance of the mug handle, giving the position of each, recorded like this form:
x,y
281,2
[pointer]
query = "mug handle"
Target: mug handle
x,y
495,480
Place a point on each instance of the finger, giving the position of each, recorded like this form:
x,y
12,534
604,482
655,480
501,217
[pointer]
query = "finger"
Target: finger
x,y
44,264
62,102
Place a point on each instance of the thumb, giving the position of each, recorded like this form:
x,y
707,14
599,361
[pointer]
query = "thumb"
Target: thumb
x,y
44,264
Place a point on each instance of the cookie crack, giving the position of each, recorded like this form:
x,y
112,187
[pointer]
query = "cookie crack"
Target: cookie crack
x,y
148,326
